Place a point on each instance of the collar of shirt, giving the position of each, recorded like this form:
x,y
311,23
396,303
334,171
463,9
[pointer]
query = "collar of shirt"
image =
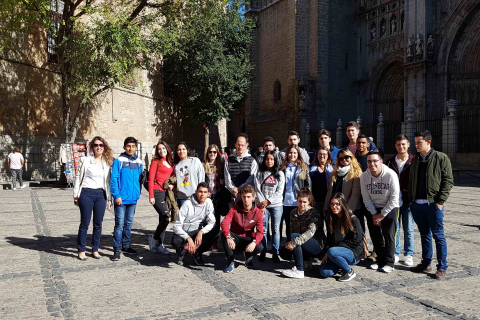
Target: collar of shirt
x,y
428,154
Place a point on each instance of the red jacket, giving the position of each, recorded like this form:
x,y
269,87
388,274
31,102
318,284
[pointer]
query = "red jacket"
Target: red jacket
x,y
243,223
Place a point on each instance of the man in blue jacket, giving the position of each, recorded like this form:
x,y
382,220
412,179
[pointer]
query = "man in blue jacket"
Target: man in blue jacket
x,y
125,189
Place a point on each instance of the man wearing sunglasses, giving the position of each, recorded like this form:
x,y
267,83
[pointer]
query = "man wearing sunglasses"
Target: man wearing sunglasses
x,y
381,192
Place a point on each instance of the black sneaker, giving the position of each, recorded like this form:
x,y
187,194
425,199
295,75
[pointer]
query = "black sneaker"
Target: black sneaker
x,y
116,256
275,258
198,259
129,251
262,257
248,261
347,276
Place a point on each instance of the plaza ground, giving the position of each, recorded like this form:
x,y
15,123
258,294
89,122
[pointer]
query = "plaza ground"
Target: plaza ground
x,y
41,278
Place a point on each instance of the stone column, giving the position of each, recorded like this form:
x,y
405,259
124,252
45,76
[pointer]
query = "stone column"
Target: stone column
x,y
410,127
339,134
450,130
380,133
307,137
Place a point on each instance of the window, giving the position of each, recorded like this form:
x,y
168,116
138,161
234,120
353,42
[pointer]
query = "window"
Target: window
x,y
277,91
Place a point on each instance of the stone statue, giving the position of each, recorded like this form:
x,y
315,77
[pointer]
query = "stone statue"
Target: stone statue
x,y
410,47
373,32
430,45
363,3
301,100
383,28
419,46
393,25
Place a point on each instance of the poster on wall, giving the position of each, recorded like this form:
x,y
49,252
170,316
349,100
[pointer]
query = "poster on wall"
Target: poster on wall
x,y
70,155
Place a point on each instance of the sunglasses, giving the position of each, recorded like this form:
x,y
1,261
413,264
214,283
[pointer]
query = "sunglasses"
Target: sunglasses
x,y
95,145
344,158
214,152
335,204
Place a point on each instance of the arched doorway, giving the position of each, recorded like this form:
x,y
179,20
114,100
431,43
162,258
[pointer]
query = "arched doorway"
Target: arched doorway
x,y
389,101
464,81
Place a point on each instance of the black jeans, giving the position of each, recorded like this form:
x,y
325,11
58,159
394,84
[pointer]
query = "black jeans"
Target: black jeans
x,y
241,244
383,237
162,210
179,243
286,218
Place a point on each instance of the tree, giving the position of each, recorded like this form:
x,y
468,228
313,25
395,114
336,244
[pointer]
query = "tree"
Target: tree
x,y
211,63
96,44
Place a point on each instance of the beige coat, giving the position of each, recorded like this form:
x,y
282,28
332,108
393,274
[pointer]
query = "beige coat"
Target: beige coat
x,y
351,190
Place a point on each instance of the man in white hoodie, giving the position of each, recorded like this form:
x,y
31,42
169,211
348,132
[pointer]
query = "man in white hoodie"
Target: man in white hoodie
x,y
381,192
194,222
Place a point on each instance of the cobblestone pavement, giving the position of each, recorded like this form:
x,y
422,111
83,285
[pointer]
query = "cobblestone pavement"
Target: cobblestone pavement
x,y
41,278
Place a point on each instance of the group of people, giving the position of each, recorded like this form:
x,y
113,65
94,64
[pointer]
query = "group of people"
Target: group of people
x,y
323,205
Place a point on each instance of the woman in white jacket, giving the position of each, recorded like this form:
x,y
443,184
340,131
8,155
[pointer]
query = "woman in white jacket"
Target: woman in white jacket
x,y
91,193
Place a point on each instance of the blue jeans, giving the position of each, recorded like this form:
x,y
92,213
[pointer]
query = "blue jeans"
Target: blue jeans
x,y
123,225
337,258
309,249
429,219
275,215
407,222
91,200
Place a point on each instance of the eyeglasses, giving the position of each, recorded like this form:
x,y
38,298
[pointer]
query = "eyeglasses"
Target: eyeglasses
x,y
323,155
344,158
337,204
95,145
214,152
373,161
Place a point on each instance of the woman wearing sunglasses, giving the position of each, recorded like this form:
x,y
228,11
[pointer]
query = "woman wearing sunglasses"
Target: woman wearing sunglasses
x,y
91,193
345,178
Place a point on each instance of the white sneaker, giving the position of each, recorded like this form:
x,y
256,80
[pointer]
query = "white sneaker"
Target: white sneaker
x,y
293,273
163,250
152,244
387,269
23,186
14,189
408,261
397,258
374,266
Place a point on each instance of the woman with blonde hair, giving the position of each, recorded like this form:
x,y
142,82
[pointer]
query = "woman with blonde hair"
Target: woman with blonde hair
x,y
91,193
345,178
296,177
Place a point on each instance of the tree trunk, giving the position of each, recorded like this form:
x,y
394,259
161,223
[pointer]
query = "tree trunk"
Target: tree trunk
x,y
206,131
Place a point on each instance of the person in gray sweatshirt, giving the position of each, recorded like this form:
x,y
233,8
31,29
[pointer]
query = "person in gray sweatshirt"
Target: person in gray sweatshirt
x,y
194,222
381,192
269,184
189,172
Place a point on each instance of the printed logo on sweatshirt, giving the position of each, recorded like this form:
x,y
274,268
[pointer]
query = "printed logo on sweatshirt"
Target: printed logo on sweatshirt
x,y
270,180
377,188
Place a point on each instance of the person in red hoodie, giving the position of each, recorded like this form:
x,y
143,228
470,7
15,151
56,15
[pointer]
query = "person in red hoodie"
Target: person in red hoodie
x,y
242,229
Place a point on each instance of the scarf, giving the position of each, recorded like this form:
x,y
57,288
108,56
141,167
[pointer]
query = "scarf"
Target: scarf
x,y
343,171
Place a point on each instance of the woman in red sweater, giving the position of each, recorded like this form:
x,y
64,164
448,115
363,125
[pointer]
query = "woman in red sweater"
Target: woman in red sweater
x,y
160,170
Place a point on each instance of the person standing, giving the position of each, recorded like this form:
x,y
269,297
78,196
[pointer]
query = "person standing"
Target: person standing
x,y
189,172
344,245
297,176
308,237
125,188
160,170
324,139
269,185
401,164
294,139
381,191
240,167
320,175
242,229
429,186
15,163
194,224
91,192
362,150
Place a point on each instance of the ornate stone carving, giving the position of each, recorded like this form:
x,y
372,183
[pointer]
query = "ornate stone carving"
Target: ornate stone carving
x,y
410,48
359,121
373,31
409,113
339,124
393,24
383,28
322,125
430,46
419,46
380,119
301,100
452,107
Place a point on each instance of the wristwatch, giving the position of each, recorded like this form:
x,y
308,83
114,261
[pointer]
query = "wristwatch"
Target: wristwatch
x,y
254,240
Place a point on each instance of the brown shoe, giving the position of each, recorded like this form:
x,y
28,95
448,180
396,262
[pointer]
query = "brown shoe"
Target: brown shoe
x,y
419,268
441,274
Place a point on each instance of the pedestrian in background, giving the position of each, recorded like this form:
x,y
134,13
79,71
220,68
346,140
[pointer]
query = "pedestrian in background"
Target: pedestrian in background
x,y
15,163
91,192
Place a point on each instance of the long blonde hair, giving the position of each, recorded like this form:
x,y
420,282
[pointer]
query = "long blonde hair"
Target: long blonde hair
x,y
107,151
300,163
355,169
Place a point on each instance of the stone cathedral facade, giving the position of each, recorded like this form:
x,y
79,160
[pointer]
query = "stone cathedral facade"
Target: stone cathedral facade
x,y
320,61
